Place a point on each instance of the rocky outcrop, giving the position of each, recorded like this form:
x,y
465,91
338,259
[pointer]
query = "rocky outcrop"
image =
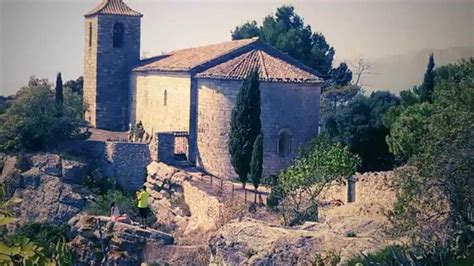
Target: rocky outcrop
x,y
43,182
178,204
125,243
252,241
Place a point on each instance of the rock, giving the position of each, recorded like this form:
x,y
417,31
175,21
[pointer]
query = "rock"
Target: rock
x,y
125,242
74,172
11,178
47,163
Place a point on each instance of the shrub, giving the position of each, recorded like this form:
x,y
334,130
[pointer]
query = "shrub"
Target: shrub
x,y
328,258
351,234
33,120
316,166
44,235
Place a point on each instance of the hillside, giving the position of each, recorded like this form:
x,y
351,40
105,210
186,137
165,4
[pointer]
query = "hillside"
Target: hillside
x,y
399,72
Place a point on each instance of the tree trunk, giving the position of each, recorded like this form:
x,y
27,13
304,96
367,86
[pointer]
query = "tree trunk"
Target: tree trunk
x,y
255,199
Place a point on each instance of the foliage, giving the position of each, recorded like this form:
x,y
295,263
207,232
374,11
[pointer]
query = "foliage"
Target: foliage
x,y
286,31
358,124
125,202
245,125
399,255
31,122
59,97
22,252
46,236
5,207
427,87
434,192
314,168
351,234
408,130
76,86
257,162
276,193
98,184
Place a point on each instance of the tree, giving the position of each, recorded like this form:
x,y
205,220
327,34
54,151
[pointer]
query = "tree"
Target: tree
x,y
245,125
427,87
59,97
315,167
76,86
286,31
256,164
248,30
31,123
358,124
434,191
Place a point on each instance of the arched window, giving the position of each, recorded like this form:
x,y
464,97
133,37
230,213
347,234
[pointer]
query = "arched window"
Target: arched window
x,y
90,34
165,98
118,35
284,144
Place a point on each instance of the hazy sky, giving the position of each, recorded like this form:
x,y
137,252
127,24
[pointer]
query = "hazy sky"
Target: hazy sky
x,y
42,37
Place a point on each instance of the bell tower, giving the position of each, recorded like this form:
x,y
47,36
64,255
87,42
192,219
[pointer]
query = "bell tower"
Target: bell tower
x,y
111,49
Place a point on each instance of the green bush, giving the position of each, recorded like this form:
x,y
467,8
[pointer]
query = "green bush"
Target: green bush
x,y
44,235
33,120
351,234
399,255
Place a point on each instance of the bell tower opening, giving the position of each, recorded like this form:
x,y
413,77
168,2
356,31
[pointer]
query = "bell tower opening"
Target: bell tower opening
x,y
118,33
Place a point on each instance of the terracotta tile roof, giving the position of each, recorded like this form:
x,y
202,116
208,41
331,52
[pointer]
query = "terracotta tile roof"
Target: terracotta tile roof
x,y
113,7
187,59
270,68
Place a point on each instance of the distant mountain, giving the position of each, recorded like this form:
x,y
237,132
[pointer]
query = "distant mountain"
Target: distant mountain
x,y
400,72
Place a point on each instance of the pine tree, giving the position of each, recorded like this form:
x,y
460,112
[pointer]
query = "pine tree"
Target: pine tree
x,y
256,164
427,87
59,90
245,125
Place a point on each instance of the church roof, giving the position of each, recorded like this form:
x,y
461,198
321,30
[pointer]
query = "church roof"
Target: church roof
x,y
270,68
233,60
113,7
187,59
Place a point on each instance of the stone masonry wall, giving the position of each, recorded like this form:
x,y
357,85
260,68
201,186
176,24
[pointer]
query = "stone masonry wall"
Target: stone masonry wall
x,y
285,106
107,70
128,161
148,101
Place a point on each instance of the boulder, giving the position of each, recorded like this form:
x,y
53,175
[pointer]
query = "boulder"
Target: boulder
x,y
46,199
74,172
11,178
47,163
125,242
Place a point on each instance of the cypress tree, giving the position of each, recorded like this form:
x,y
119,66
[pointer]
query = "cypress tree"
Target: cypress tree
x,y
59,90
427,87
256,164
245,125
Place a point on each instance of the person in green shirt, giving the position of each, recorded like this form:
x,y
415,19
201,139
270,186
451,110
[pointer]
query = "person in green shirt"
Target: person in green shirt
x,y
142,198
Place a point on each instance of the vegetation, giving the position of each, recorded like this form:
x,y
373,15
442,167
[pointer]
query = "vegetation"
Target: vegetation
x,y
124,201
256,164
59,97
245,125
358,125
32,121
434,189
286,31
427,87
47,245
315,167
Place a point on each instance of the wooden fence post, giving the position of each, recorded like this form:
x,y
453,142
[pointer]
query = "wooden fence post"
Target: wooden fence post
x,y
232,190
222,185
245,190
211,181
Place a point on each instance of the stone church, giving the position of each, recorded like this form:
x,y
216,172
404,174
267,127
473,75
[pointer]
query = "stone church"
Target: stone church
x,y
194,90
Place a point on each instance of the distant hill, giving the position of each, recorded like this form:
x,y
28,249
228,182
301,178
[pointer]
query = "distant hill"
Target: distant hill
x,y
400,72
